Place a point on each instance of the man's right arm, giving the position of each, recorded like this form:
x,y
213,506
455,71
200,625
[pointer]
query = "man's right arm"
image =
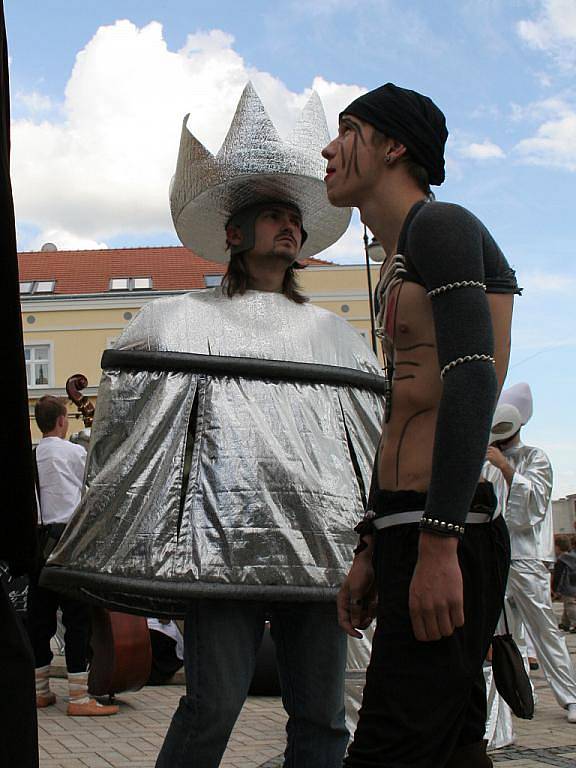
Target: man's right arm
x,y
357,597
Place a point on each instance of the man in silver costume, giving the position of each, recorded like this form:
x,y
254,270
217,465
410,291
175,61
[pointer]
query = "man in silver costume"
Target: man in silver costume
x,y
231,449
523,475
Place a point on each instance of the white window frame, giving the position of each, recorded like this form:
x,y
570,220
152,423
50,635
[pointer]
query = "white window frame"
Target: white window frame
x,y
50,362
38,283
131,284
35,286
209,281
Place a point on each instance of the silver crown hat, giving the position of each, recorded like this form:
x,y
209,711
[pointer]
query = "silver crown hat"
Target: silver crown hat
x,y
254,165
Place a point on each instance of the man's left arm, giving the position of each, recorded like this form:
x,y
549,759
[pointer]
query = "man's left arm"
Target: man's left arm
x,y
446,250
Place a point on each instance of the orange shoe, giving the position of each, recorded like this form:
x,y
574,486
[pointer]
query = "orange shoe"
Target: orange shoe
x,y
46,700
91,708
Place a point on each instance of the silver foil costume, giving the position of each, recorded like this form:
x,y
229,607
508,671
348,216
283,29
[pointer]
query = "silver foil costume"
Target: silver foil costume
x,y
529,518
210,482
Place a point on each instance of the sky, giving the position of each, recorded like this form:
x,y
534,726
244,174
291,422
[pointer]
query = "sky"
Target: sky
x,y
99,91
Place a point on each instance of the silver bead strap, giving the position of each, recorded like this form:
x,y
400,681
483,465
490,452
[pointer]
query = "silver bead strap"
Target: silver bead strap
x,y
451,286
441,526
465,359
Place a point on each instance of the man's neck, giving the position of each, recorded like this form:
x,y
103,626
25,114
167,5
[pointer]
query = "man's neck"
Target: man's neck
x,y
385,211
54,433
266,273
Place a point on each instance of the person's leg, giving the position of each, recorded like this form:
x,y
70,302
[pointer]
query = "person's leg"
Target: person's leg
x,y
41,624
570,612
77,622
311,653
529,586
423,703
221,640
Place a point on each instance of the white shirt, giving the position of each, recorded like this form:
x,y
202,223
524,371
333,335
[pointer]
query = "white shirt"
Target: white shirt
x,y
61,477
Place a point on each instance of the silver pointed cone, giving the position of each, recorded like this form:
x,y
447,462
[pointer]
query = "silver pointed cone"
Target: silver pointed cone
x,y
311,128
255,165
186,182
251,128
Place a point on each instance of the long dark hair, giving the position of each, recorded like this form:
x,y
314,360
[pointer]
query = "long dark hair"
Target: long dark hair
x,y
237,278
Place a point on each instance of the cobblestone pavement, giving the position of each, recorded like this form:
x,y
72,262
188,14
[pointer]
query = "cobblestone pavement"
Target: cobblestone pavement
x,y
133,737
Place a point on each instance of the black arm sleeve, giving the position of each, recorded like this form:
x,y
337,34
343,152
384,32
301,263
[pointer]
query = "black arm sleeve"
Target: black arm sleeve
x,y
445,246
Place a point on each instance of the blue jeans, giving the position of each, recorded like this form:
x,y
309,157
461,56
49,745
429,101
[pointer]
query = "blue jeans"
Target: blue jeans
x,y
221,641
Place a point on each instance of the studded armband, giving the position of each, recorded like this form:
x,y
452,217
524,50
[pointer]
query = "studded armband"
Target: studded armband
x,y
440,527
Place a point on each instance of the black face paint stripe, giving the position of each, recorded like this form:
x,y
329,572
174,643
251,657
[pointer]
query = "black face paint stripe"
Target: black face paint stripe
x,y
415,346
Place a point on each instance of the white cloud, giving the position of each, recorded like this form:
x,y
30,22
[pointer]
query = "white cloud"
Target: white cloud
x,y
554,143
65,241
34,101
487,150
103,168
538,281
350,248
553,31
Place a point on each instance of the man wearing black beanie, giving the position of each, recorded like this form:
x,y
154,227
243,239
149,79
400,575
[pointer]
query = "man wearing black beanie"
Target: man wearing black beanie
x,y
433,546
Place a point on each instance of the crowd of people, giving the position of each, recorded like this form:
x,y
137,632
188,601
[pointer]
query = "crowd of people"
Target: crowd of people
x,y
252,463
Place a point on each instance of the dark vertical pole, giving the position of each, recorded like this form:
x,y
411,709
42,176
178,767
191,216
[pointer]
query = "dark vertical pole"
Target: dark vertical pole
x,y
18,724
370,294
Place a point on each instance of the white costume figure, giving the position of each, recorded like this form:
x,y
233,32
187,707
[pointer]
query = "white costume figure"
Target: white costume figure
x,y
232,449
523,476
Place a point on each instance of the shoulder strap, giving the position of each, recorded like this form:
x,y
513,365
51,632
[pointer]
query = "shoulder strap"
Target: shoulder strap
x,y
37,483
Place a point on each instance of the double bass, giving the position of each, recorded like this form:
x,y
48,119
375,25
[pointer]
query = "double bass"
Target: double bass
x,y
121,648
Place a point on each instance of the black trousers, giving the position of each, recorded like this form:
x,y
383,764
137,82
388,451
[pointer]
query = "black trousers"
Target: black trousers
x,y
423,701
18,725
43,605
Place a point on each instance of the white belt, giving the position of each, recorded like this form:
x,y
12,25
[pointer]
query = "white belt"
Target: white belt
x,y
402,518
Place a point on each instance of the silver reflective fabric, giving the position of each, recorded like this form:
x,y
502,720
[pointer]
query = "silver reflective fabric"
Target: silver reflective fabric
x,y
255,165
499,724
529,602
225,486
528,502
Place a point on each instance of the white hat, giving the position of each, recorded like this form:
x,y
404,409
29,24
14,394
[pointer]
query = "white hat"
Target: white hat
x,y
506,422
520,396
254,165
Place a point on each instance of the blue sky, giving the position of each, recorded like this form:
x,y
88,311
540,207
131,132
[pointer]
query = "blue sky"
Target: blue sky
x,y
99,91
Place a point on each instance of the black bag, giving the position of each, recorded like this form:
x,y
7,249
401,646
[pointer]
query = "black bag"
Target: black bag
x,y
510,676
48,537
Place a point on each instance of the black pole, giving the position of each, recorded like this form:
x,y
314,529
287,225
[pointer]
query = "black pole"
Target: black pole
x,y
370,294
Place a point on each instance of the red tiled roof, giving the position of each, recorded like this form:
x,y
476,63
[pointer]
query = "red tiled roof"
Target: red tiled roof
x,y
171,268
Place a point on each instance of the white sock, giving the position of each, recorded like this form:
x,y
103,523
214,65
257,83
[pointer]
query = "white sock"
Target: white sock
x,y
78,687
43,681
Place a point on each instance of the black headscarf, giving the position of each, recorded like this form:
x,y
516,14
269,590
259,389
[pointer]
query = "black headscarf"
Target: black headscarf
x,y
410,118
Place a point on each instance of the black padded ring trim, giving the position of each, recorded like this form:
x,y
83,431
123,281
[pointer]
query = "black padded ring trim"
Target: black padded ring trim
x,y
247,367
150,597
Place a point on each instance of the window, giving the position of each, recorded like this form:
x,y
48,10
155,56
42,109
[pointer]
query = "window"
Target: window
x,y
142,283
37,286
37,365
130,283
119,284
212,281
44,286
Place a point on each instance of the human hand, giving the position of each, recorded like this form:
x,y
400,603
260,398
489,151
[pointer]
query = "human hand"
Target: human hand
x,y
436,599
496,457
357,598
